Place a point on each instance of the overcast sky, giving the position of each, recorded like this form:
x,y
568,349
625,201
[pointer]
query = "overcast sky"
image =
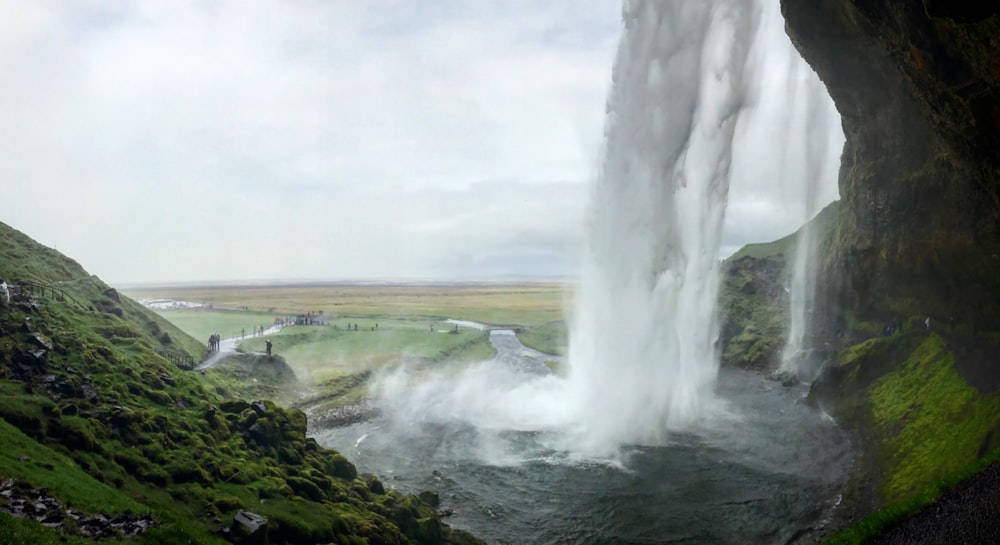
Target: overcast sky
x,y
172,141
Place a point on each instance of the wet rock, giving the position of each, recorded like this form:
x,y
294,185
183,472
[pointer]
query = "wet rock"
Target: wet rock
x,y
28,360
374,485
41,341
248,529
89,391
259,407
112,293
167,379
430,498
38,505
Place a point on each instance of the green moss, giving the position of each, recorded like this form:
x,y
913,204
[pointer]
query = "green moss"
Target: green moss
x,y
878,522
934,423
25,459
109,426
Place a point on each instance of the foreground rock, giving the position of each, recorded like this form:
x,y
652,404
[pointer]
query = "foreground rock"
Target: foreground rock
x,y
36,504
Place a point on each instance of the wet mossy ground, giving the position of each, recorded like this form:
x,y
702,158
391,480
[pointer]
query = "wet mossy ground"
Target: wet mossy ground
x,y
91,410
919,419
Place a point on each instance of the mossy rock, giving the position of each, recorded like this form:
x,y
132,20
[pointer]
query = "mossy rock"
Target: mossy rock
x,y
186,472
306,488
339,466
152,437
234,406
265,432
76,433
372,482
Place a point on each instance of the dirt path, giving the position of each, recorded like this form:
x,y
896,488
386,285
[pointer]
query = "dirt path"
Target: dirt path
x,y
228,347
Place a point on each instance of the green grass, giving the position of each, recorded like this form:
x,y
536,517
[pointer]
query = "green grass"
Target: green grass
x,y
878,522
322,352
522,304
784,246
22,531
922,426
933,421
550,337
46,468
202,323
107,423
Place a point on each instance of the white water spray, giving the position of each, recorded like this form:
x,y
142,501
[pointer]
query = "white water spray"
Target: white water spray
x,y
642,351
817,139
642,359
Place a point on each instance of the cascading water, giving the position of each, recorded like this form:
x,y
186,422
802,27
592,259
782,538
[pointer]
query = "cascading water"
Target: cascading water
x,y
632,446
817,138
641,351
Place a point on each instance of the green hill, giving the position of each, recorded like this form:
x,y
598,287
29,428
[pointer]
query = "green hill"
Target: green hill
x,y
753,302
100,418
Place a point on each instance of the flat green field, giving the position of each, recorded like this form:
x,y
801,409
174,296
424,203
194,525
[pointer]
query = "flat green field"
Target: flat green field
x,y
319,353
323,356
201,323
521,304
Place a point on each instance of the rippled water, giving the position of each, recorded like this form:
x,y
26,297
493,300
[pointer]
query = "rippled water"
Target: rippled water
x,y
767,470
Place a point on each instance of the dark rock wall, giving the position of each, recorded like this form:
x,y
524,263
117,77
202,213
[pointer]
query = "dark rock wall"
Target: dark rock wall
x,y
918,87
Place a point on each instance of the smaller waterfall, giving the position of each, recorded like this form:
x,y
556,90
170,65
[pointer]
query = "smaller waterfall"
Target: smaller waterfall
x,y
822,142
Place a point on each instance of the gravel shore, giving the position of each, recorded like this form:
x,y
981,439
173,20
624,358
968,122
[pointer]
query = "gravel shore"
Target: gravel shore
x,y
966,514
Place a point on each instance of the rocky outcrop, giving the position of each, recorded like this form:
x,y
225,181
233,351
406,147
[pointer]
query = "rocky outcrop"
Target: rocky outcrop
x,y
36,504
918,87
754,298
753,307
916,242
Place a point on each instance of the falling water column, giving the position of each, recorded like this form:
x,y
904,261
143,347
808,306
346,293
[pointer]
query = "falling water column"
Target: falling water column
x,y
642,360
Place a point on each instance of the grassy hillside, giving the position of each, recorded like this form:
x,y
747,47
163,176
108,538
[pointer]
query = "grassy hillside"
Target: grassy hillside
x,y
753,302
93,412
923,408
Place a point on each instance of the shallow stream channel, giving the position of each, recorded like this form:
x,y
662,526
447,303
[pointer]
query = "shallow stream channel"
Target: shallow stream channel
x,y
766,474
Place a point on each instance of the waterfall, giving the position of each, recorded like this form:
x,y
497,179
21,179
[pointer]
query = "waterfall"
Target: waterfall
x,y
642,355
817,140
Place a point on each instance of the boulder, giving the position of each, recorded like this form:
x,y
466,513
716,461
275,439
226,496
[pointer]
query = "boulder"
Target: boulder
x,y
41,340
248,529
235,406
259,407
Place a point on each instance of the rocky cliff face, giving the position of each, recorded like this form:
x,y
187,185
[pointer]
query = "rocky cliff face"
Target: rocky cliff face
x,y
916,242
918,87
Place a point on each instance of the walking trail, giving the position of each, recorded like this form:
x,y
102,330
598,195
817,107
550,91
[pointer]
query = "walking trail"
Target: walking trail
x,y
227,347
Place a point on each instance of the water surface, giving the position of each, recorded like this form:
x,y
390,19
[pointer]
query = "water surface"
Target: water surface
x,y
768,469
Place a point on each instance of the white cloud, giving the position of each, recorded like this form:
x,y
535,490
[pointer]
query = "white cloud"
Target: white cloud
x,y
178,141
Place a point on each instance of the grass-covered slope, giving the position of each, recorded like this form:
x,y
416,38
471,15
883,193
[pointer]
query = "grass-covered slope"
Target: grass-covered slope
x,y
753,301
92,412
923,407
